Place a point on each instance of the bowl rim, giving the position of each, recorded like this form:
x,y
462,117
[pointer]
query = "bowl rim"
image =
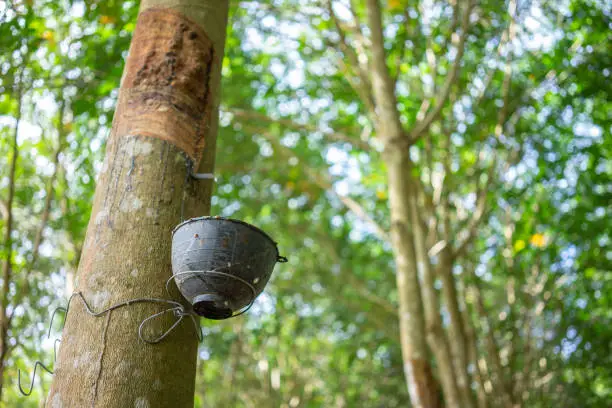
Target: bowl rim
x,y
219,218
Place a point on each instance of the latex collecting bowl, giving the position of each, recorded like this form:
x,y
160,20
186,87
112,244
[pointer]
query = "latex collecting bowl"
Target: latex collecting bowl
x,y
220,265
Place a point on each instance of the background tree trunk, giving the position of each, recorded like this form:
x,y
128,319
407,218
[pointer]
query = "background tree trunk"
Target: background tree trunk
x,y
421,384
7,264
436,336
419,376
165,117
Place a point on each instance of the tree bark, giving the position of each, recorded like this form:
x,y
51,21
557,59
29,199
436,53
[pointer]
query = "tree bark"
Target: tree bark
x,y
436,337
419,377
482,398
502,390
456,329
166,117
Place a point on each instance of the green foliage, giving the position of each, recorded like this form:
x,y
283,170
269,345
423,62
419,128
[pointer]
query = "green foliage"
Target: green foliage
x,y
325,332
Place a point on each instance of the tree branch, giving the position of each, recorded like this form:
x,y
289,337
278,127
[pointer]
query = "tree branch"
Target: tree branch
x,y
481,373
441,99
436,336
383,87
44,218
402,46
477,217
428,216
502,120
326,185
454,24
443,194
332,135
364,86
356,283
497,376
49,190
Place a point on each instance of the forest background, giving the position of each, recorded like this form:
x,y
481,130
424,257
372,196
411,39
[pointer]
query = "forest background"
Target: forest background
x,y
506,105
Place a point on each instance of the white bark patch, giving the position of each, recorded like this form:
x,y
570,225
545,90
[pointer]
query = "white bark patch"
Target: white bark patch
x,y
56,402
141,402
142,148
104,166
134,272
401,279
70,282
275,378
85,360
123,368
130,204
101,216
402,260
414,395
137,146
94,278
100,299
150,212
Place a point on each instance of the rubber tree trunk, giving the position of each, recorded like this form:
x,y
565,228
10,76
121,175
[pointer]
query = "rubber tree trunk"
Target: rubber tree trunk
x,y
165,119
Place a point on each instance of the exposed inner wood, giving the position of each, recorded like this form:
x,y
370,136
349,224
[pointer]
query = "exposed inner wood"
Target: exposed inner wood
x,y
165,92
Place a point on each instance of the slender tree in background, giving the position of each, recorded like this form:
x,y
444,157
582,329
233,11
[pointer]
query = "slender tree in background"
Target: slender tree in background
x,y
165,119
419,376
396,154
7,261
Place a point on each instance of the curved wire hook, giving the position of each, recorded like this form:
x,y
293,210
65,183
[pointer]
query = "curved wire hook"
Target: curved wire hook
x,y
214,272
55,348
223,274
197,326
36,365
177,307
176,312
180,313
244,309
57,309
